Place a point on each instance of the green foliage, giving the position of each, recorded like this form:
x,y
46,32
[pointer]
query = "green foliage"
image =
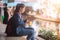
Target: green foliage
x,y
48,35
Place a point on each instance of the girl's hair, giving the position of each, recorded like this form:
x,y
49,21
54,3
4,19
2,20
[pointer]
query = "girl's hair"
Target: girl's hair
x,y
18,7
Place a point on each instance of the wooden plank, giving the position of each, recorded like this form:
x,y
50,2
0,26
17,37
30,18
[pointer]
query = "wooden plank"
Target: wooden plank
x,y
10,1
45,19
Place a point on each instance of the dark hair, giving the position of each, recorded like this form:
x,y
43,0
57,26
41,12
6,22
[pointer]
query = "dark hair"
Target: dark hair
x,y
18,7
5,4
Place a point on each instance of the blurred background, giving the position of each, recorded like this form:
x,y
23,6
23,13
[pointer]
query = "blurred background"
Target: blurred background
x,y
46,12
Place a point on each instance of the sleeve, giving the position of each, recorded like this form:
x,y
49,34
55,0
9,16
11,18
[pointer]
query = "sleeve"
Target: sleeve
x,y
19,22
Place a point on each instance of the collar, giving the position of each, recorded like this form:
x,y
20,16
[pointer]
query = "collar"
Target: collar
x,y
19,14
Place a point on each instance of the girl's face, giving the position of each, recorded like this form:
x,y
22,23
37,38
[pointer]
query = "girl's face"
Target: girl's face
x,y
22,10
